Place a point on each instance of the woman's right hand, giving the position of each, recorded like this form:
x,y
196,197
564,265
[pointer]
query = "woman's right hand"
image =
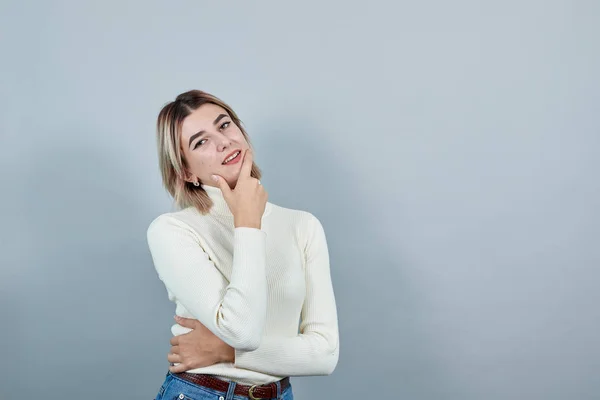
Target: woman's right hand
x,y
248,200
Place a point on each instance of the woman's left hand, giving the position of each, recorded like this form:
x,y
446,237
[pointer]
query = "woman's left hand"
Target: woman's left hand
x,y
197,348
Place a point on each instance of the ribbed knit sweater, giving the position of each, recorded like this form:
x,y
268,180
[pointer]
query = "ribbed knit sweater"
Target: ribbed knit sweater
x,y
266,292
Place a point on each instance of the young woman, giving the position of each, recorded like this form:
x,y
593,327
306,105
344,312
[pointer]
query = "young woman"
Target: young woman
x,y
250,279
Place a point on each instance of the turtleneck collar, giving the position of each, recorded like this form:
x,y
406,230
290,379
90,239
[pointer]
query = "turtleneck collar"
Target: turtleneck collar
x,y
220,206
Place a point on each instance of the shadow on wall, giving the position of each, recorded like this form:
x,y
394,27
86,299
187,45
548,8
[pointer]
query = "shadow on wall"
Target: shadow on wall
x,y
382,344
90,311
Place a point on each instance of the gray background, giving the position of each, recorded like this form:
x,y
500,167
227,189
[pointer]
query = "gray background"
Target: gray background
x,y
450,150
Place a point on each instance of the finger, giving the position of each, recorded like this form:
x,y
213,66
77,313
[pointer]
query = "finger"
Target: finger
x,y
179,368
174,341
186,322
200,327
174,358
247,163
175,349
223,185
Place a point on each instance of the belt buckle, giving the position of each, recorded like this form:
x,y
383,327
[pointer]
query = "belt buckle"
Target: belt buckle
x,y
250,395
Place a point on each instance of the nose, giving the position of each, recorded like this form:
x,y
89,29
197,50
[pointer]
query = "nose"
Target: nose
x,y
223,142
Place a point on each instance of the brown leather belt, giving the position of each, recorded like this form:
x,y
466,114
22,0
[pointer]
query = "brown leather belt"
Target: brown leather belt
x,y
268,391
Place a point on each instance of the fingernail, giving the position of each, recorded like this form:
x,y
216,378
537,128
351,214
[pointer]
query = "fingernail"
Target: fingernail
x,y
215,178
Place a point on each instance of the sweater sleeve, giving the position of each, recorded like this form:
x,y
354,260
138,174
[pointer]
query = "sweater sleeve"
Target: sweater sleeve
x,y
315,350
235,311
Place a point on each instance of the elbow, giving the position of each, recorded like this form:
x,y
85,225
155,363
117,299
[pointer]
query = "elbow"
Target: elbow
x,y
253,336
328,359
332,354
330,362
247,343
245,337
242,333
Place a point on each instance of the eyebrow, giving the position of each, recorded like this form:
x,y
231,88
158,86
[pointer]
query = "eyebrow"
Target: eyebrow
x,y
202,132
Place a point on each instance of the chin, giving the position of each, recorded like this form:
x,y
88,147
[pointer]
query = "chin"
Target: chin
x,y
232,181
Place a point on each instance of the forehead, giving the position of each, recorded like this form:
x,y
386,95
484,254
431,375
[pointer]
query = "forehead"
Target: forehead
x,y
201,119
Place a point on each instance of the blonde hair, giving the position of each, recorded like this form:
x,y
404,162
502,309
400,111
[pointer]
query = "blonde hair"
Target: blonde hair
x,y
171,160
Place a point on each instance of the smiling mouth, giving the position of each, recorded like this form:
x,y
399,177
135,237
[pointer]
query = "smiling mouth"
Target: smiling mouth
x,y
232,157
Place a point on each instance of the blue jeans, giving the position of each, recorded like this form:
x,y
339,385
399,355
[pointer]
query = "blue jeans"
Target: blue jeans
x,y
175,388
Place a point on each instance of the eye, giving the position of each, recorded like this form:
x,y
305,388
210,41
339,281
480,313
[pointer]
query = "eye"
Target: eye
x,y
201,141
225,125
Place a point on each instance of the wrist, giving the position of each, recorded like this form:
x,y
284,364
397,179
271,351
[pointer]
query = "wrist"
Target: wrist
x,y
228,354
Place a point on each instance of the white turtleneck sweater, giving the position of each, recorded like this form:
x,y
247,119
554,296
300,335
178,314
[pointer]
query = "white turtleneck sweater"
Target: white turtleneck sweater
x,y
266,292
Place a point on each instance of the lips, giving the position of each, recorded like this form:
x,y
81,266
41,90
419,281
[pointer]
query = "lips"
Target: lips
x,y
230,154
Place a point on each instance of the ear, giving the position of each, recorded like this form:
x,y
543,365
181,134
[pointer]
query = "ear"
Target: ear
x,y
189,177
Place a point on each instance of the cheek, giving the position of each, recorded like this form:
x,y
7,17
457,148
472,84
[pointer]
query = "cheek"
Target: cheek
x,y
197,162
239,137
205,161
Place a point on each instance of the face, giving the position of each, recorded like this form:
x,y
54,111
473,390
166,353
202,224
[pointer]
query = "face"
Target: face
x,y
209,139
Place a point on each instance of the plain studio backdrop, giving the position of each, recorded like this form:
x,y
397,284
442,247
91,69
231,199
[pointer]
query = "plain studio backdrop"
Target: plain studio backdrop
x,y
450,149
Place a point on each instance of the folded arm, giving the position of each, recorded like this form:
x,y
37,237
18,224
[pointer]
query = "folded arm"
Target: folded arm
x,y
234,311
